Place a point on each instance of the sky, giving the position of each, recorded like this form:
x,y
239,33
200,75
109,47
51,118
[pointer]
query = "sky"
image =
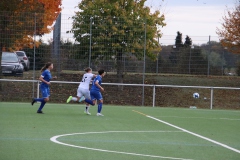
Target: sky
x,y
195,18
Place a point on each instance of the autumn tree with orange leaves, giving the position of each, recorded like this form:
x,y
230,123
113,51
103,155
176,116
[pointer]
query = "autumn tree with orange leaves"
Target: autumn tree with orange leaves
x,y
229,34
17,20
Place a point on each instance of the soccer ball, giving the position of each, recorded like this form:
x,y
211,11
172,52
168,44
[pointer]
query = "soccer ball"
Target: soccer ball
x,y
196,95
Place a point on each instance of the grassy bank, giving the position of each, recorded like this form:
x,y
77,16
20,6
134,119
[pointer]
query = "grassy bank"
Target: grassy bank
x,y
128,95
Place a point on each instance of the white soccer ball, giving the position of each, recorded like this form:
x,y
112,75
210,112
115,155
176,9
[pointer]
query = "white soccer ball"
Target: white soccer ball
x,y
196,95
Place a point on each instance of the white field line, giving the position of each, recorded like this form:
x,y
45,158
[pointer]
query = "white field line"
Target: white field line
x,y
54,139
230,119
195,134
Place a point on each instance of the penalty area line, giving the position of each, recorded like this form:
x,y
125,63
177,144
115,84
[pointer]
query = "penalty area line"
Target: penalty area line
x,y
192,133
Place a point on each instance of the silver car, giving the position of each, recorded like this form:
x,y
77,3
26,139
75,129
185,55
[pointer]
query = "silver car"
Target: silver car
x,y
11,65
24,59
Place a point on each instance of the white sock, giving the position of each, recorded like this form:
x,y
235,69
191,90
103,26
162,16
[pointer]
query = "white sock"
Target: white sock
x,y
87,108
74,98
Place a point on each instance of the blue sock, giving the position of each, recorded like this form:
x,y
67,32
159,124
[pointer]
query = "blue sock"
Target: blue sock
x,y
41,106
39,99
99,107
89,101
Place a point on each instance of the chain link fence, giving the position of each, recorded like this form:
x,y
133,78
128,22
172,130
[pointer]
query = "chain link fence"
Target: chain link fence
x,y
120,46
113,44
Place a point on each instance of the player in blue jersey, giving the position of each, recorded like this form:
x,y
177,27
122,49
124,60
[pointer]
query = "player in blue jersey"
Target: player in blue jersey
x,y
95,92
44,86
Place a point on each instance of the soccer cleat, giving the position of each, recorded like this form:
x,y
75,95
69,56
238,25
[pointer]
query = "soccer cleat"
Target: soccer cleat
x,y
88,113
33,101
69,99
40,112
99,114
82,99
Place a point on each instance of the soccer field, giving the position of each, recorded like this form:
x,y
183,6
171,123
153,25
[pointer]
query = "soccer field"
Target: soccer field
x,y
129,133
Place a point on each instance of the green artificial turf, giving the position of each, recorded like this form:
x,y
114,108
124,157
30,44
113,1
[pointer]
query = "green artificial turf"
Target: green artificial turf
x,y
121,134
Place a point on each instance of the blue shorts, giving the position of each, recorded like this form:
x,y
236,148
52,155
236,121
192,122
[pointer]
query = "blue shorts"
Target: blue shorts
x,y
96,95
45,91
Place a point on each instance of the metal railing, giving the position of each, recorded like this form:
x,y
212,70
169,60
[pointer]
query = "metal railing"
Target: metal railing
x,y
139,85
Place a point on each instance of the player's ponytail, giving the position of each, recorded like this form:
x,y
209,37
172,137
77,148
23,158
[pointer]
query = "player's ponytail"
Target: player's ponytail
x,y
87,69
46,66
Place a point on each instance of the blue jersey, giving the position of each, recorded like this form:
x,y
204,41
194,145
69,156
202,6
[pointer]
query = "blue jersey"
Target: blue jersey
x,y
46,75
94,87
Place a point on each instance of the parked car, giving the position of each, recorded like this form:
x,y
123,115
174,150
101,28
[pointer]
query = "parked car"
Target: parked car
x,y
25,60
11,65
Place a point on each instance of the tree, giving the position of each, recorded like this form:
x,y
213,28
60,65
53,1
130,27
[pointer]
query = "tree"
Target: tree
x,y
230,33
215,59
181,54
178,40
230,58
188,42
118,28
42,54
199,64
17,18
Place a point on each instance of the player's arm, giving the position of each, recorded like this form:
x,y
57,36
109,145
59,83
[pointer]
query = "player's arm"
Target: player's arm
x,y
41,79
94,76
98,85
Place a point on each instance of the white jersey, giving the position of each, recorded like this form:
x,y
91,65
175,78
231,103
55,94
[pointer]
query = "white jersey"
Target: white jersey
x,y
86,80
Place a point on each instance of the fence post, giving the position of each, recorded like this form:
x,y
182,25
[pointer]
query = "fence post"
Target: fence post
x,y
208,56
211,100
157,56
144,60
90,43
38,89
34,54
154,95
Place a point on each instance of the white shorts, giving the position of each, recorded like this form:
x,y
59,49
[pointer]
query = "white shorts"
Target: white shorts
x,y
83,92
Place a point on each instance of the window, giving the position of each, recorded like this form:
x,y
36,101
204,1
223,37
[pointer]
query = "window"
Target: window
x,y
20,54
9,57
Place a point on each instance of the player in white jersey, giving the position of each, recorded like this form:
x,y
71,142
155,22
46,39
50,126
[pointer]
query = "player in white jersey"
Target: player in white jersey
x,y
83,89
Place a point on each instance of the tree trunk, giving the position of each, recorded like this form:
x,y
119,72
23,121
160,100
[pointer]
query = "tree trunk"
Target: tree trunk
x,y
120,69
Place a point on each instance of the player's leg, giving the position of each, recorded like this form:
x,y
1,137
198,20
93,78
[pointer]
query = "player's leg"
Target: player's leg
x,y
81,99
45,95
81,95
93,98
76,99
34,100
42,105
100,99
86,94
87,109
